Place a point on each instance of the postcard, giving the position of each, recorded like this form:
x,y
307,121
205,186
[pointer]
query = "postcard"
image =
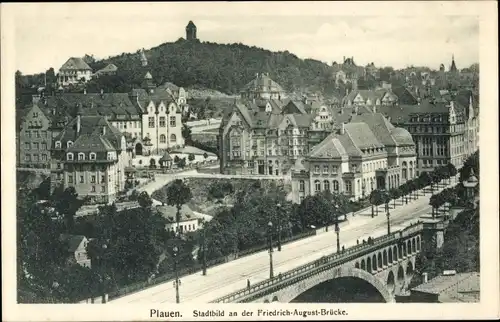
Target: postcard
x,y
174,161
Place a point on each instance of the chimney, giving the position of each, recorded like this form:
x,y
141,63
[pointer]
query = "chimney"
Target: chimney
x,y
78,124
342,129
85,91
424,278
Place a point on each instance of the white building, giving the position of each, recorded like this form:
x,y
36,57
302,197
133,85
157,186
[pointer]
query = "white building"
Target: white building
x,y
189,221
75,70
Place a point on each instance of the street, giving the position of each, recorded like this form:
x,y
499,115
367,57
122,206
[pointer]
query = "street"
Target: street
x,y
232,276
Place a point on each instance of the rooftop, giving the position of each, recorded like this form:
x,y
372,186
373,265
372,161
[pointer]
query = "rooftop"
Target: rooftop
x,y
462,287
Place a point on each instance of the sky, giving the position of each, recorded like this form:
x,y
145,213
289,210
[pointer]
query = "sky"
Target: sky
x,y
47,35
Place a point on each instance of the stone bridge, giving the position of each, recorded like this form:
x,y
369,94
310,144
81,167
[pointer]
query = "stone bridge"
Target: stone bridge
x,y
387,264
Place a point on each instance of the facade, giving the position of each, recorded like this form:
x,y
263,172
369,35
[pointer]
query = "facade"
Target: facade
x,y
110,69
444,131
34,137
370,98
90,155
74,71
263,87
77,248
189,222
365,154
179,94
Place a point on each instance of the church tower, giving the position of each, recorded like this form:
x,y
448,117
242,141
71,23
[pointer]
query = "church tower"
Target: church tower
x,y
453,67
190,31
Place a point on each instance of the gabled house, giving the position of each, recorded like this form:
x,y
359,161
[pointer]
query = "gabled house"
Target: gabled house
x,y
74,71
76,246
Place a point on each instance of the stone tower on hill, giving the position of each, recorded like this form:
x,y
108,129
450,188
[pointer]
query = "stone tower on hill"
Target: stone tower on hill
x,y
190,31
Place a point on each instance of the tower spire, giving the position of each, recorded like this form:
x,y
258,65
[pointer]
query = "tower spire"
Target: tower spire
x,y
453,67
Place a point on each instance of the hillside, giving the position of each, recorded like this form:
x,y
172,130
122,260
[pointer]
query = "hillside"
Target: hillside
x,y
222,67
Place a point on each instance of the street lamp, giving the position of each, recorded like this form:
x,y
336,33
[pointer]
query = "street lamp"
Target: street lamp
x,y
278,209
470,185
176,282
388,214
270,231
337,228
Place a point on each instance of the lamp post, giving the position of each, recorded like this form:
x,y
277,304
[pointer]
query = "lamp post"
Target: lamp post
x,y
177,282
204,258
470,185
270,231
388,214
278,210
337,228
363,189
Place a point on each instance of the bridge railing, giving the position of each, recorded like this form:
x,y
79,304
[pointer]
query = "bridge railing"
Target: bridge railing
x,y
320,263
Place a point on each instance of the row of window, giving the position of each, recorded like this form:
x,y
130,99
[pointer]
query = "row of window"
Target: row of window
x,y
93,179
124,125
35,157
326,169
163,138
151,109
326,185
151,121
428,129
92,156
35,146
36,134
190,227
427,119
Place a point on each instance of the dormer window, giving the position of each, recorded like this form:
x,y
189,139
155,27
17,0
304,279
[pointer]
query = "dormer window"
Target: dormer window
x,y
81,156
69,144
58,144
69,156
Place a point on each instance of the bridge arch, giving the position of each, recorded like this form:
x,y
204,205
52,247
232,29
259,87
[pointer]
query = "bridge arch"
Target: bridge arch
x,y
409,270
374,262
418,243
395,253
384,259
404,250
379,257
369,264
390,255
413,248
293,291
408,246
275,299
266,301
400,251
391,283
363,265
356,265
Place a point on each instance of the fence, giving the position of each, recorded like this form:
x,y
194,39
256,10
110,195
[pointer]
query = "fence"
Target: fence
x,y
316,266
198,267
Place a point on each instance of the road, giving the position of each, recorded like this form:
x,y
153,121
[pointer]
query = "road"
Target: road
x,y
232,276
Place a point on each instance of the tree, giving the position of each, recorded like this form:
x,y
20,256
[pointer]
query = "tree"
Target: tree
x,y
145,200
178,194
191,157
176,159
182,163
186,133
425,179
452,171
152,163
377,197
67,204
395,193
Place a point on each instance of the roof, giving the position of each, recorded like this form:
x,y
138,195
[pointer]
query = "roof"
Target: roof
x,y
329,148
166,157
379,125
402,136
169,213
73,241
452,288
148,76
190,24
361,135
91,143
108,69
262,83
75,63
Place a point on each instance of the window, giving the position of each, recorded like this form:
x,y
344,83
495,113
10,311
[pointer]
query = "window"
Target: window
x,y
35,114
44,157
69,144
70,156
316,169
348,187
326,184
70,178
93,188
335,169
58,144
162,121
27,146
151,122
103,179
28,134
44,146
103,188
173,138
163,138
172,121
36,158
37,134
301,185
58,166
81,156
317,185
82,179
325,169
92,156
92,179
27,157
335,185
35,146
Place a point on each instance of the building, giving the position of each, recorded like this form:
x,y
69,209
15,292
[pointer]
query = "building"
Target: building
x,y
348,72
76,248
189,222
191,31
444,131
34,136
109,69
179,94
74,71
365,154
90,155
370,98
449,287
142,57
263,87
